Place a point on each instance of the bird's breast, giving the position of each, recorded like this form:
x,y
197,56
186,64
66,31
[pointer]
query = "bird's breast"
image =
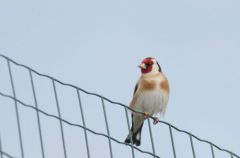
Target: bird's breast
x,y
152,95
151,102
146,85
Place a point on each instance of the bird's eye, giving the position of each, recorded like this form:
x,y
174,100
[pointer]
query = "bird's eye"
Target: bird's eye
x,y
149,64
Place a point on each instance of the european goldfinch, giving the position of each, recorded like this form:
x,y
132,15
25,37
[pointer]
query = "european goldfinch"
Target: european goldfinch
x,y
150,97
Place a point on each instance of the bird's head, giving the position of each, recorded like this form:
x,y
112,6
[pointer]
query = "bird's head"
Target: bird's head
x,y
149,65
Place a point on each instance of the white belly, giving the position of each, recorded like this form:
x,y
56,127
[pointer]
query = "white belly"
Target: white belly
x,y
151,102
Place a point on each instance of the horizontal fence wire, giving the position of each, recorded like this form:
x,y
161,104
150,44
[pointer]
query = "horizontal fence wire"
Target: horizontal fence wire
x,y
72,124
108,100
2,153
6,154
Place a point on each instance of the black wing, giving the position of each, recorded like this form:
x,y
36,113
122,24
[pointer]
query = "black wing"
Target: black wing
x,y
135,89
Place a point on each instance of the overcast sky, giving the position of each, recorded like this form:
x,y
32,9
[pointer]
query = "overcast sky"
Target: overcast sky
x,y
97,46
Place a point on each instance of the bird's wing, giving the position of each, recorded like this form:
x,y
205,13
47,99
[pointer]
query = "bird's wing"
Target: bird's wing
x,y
134,99
135,89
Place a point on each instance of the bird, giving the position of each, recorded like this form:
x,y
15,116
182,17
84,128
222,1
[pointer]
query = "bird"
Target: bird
x,y
150,97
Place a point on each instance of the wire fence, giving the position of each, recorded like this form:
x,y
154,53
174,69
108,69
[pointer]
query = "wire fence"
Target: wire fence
x,y
20,151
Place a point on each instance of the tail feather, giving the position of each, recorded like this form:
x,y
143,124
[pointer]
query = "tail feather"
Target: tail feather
x,y
136,137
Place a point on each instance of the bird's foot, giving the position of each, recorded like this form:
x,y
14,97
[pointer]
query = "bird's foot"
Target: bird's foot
x,y
156,120
145,115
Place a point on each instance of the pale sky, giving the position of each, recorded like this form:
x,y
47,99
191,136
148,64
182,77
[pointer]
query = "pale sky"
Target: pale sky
x,y
97,45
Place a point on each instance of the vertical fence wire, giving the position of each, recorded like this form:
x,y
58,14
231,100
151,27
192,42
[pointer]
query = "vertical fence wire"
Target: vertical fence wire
x,y
19,131
83,120
16,109
151,136
108,133
37,112
1,154
193,151
173,146
59,115
213,155
130,132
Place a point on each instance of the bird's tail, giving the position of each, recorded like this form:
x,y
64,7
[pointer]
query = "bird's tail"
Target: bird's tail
x,y
134,137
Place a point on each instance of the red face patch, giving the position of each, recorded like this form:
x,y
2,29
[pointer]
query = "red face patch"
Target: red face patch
x,y
148,62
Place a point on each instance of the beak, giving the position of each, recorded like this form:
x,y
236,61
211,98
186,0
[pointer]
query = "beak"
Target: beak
x,y
142,66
